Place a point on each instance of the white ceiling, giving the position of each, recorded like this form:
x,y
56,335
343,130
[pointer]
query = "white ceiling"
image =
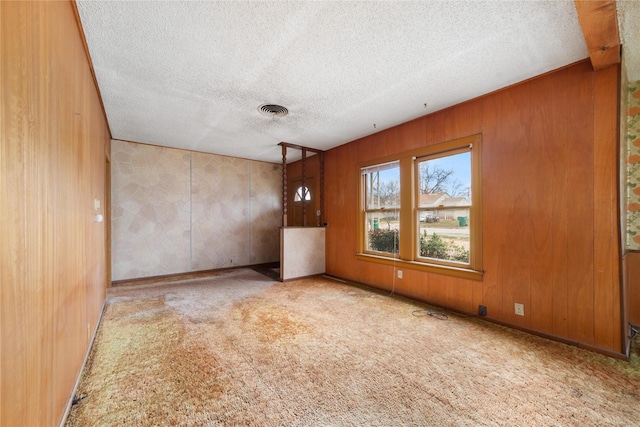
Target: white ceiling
x,y
192,75
629,22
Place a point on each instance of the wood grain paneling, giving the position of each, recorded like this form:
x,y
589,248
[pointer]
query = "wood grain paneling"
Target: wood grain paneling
x,y
494,231
606,220
632,276
580,225
517,208
52,169
541,237
549,211
294,178
561,156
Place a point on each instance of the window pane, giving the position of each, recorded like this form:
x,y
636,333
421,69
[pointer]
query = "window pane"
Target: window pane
x,y
444,234
382,186
445,181
382,232
437,196
444,188
299,192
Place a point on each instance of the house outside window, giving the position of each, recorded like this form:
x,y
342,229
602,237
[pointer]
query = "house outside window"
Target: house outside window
x,y
443,207
423,209
381,206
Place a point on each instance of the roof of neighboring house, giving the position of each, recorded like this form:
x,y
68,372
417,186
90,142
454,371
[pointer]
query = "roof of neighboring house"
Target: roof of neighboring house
x,y
441,199
454,201
431,199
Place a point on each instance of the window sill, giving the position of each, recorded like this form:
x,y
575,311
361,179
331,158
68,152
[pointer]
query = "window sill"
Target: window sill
x,y
463,273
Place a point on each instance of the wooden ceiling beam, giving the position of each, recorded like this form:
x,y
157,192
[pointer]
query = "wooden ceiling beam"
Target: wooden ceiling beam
x,y
599,22
300,147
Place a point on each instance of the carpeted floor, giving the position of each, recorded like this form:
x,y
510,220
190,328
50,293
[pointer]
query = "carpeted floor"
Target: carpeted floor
x,y
241,349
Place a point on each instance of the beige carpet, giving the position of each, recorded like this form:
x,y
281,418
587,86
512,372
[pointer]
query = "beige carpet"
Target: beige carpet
x,y
240,349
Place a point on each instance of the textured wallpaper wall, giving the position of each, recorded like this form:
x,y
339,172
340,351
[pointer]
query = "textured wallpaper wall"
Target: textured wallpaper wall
x,y
176,211
633,167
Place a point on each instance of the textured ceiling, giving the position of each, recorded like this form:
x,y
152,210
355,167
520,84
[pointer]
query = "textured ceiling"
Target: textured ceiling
x,y
629,22
193,74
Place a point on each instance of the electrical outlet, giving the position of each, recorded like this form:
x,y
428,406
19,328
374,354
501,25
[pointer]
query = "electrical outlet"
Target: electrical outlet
x,y
519,309
399,274
482,310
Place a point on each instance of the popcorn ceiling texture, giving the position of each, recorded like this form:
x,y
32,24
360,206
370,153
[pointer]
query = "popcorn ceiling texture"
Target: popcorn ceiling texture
x,y
176,211
629,23
192,74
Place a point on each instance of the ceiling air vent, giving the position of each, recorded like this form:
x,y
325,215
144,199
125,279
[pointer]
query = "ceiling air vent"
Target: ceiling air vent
x,y
272,110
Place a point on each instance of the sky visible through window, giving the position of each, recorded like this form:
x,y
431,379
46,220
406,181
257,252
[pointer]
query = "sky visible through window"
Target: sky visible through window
x,y
460,164
390,175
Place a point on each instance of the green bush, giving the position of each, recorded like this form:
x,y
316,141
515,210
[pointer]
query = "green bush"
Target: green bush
x,y
432,246
459,253
435,247
384,241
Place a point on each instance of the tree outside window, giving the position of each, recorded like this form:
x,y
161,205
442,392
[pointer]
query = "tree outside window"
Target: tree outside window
x,y
443,206
423,209
382,203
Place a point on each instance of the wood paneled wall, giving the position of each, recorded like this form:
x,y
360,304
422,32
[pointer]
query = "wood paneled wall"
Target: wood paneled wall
x,y
294,174
550,223
52,169
632,277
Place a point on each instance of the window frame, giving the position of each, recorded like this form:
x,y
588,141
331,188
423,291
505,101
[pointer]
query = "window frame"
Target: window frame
x,y
408,256
420,209
364,185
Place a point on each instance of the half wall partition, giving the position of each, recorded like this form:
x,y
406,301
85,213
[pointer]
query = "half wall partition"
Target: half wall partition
x,y
302,247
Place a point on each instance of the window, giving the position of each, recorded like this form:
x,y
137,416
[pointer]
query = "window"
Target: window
x,y
443,205
381,206
299,192
423,209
